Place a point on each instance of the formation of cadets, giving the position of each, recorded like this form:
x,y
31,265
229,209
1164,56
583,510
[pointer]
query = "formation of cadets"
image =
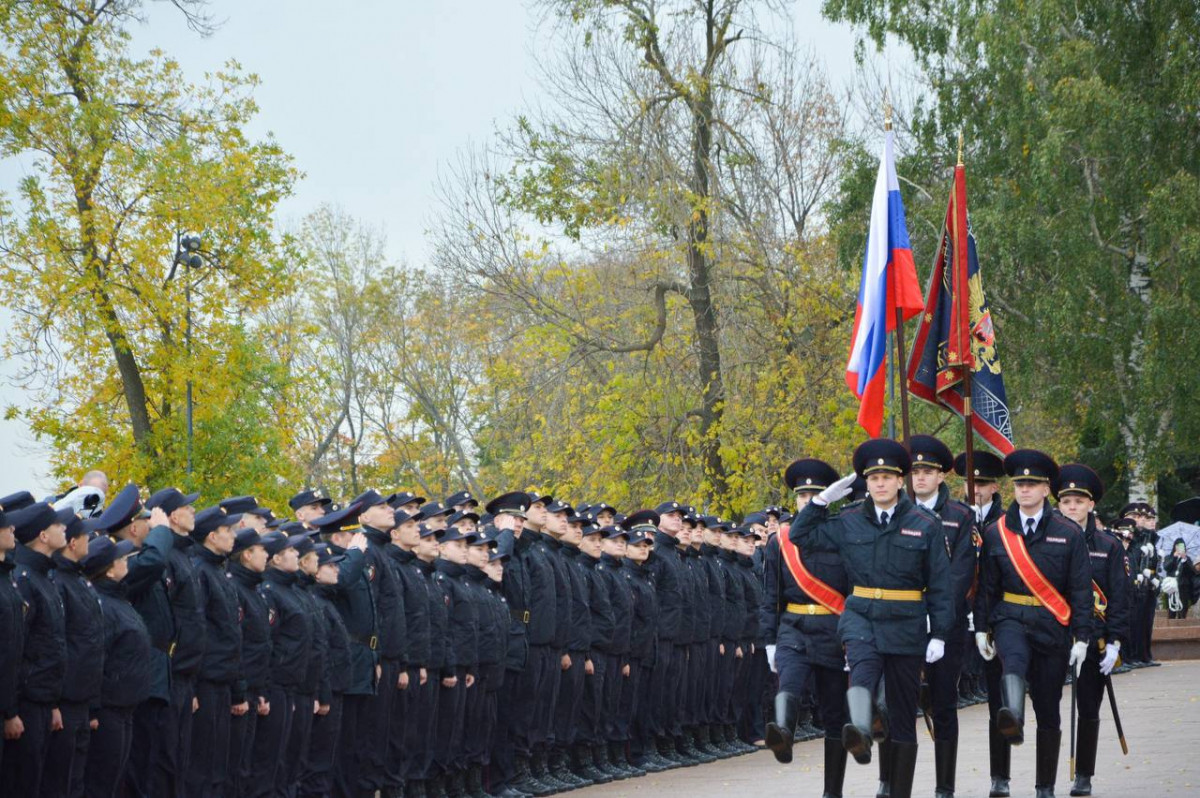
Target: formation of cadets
x,y
408,648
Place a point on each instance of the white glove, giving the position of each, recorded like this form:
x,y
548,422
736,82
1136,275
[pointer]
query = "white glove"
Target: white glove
x,y
836,491
970,622
935,650
771,658
1147,549
1154,584
1139,579
1078,655
1146,573
986,649
1111,651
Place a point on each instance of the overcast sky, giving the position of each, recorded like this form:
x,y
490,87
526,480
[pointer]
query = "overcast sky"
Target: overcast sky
x,y
372,98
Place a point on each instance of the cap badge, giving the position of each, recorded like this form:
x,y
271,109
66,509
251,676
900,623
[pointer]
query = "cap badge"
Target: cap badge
x,y
808,480
1026,472
880,461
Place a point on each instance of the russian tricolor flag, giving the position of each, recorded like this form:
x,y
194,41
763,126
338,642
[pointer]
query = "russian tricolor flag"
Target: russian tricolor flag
x,y
889,282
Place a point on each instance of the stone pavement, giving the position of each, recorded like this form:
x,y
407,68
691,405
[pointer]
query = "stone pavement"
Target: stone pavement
x,y
1160,710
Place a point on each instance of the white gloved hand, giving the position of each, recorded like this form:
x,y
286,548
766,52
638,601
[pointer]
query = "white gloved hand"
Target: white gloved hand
x,y
1147,549
1146,573
970,622
1139,579
986,649
1111,652
935,650
1154,583
836,491
771,658
1078,655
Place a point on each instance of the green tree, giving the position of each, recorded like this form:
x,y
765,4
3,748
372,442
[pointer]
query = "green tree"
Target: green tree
x,y
1083,158
124,155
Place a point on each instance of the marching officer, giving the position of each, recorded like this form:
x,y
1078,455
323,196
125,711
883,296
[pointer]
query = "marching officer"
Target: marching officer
x,y
895,557
804,597
41,532
988,506
1077,489
1035,598
931,461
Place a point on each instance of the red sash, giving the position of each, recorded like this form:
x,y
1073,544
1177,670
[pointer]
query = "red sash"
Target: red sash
x,y
826,596
1039,586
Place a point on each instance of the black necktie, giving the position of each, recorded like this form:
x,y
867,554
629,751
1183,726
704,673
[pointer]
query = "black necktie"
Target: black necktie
x,y
1029,524
883,518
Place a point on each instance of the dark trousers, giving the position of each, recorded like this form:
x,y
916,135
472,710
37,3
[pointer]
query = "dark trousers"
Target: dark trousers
x,y
421,726
316,764
500,772
1149,606
346,771
448,733
795,676
241,748
150,723
476,728
759,696
622,729
397,767
570,699
532,708
208,762
726,670
591,709
177,746
615,683
25,757
664,681
108,752
642,730
1043,671
67,756
942,677
298,737
377,719
902,681
268,769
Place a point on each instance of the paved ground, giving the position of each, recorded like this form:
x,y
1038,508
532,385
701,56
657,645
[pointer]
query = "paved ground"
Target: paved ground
x,y
1160,709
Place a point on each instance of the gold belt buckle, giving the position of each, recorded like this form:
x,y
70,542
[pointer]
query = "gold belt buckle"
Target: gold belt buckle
x,y
878,592
525,616
374,642
812,609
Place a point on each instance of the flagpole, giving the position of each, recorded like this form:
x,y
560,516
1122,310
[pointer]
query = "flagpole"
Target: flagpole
x,y
968,410
901,369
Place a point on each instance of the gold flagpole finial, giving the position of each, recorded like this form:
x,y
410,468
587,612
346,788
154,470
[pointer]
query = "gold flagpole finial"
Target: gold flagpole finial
x,y
960,147
887,111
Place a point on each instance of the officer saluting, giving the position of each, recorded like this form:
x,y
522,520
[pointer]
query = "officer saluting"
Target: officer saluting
x,y
895,556
1078,488
1035,596
805,596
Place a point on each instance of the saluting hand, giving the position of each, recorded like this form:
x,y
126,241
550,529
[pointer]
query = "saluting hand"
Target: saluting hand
x,y
359,541
158,518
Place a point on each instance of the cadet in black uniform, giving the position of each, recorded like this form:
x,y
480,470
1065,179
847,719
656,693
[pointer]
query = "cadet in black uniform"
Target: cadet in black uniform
x,y
1077,489
499,619
895,557
746,683
931,460
84,622
247,562
1033,639
462,640
988,506
309,505
356,604
590,736
570,691
801,631
41,533
305,699
668,570
168,771
508,512
221,669
423,731
377,519
705,541
413,706
145,586
316,773
734,591
642,637
291,640
12,632
127,667
1144,562
617,666
480,712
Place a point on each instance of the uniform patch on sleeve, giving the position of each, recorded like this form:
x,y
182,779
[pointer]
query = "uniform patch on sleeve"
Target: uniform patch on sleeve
x,y
912,533
1103,555
950,523
1056,540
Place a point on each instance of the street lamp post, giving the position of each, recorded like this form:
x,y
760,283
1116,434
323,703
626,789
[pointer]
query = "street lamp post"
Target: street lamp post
x,y
186,248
